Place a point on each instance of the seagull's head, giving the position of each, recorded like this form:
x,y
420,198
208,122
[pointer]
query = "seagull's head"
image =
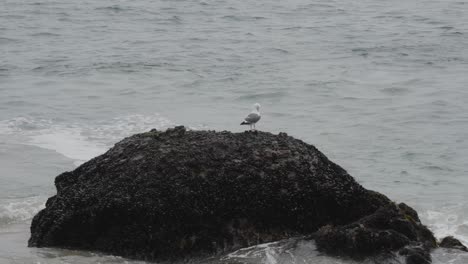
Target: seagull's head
x,y
257,106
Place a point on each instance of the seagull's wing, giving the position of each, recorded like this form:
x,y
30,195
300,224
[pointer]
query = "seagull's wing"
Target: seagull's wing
x,y
252,118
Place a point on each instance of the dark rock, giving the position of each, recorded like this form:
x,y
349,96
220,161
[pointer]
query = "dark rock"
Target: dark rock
x,y
389,228
178,193
416,255
451,242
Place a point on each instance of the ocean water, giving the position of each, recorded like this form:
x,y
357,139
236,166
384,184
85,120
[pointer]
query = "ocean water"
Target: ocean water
x,y
381,87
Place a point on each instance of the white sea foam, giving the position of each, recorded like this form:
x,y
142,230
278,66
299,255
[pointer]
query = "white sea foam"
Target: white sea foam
x,y
23,125
78,141
71,144
271,256
294,250
14,210
448,221
251,252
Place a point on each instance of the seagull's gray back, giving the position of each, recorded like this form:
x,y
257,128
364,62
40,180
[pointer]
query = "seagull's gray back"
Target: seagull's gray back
x,y
252,118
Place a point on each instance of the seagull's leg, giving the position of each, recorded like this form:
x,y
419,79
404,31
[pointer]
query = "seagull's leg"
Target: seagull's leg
x,y
254,126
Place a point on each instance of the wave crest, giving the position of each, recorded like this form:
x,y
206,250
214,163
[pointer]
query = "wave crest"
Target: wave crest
x,y
17,210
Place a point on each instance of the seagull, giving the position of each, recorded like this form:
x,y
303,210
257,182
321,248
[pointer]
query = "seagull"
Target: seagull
x,y
253,117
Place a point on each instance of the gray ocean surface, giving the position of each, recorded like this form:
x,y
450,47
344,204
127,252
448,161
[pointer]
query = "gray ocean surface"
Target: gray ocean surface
x,y
381,87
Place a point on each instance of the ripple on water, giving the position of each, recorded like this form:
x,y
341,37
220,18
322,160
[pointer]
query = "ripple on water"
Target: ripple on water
x,y
395,90
278,50
263,96
5,41
19,103
435,168
113,8
45,34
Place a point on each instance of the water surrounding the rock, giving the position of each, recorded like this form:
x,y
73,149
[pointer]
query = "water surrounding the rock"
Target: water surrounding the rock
x,y
379,86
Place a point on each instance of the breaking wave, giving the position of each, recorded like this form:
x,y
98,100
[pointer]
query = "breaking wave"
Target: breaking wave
x,y
17,210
